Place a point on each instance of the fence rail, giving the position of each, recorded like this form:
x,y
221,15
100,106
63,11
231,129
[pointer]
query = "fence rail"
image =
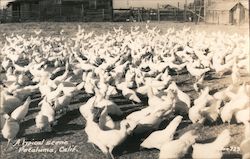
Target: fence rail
x,y
151,14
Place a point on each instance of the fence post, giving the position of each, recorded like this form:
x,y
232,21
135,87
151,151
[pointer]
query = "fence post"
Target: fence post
x,y
158,12
195,17
205,11
199,14
82,12
185,11
213,16
103,14
218,20
60,7
39,12
185,14
138,15
112,14
177,12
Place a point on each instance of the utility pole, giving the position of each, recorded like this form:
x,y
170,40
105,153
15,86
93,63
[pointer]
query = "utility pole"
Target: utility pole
x,y
185,11
112,10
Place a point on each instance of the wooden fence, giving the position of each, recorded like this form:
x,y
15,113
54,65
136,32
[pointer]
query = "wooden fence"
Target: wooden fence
x,y
78,13
140,14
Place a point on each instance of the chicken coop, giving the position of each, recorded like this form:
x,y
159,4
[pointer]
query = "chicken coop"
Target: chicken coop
x,y
226,12
210,11
59,10
22,9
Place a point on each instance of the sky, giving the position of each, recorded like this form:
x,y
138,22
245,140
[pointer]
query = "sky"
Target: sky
x,y
148,3
3,3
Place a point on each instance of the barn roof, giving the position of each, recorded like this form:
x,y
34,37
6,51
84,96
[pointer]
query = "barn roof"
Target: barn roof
x,y
222,6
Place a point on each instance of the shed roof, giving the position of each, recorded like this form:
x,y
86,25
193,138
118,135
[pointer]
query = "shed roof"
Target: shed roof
x,y
245,4
168,6
222,6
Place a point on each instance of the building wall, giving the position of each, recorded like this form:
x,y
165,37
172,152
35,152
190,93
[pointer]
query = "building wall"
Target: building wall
x,y
217,17
8,12
25,9
246,15
235,15
239,14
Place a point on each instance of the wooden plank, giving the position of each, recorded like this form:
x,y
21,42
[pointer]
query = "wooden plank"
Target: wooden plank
x,y
195,13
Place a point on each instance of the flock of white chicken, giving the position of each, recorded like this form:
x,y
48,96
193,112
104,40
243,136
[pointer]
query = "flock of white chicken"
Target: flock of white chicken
x,y
138,65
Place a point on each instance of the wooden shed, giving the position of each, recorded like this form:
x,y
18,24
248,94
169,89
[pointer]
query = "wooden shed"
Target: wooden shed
x,y
245,13
23,9
226,12
239,14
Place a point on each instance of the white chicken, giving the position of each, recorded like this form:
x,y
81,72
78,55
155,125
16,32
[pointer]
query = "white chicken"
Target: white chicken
x,y
197,73
212,111
10,129
243,116
199,104
106,122
235,74
86,109
47,110
20,112
183,102
214,149
158,138
107,140
177,148
239,102
8,102
42,121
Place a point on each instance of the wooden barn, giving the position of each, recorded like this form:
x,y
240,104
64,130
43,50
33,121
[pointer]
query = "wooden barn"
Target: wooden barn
x,y
23,9
60,10
226,12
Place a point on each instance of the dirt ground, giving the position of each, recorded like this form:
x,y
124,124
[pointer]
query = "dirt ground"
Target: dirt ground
x,y
70,127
